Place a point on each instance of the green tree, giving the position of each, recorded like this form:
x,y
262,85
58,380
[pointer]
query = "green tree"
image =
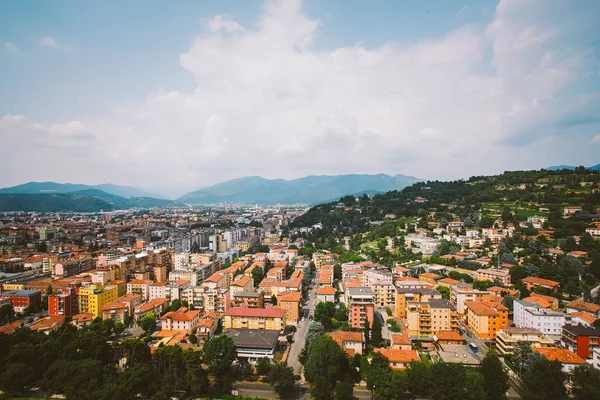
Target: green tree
x,y
544,379
586,383
257,275
449,381
7,313
376,336
418,378
148,322
393,386
496,380
119,328
274,300
324,311
327,364
175,305
282,378
344,390
367,331
262,366
219,354
444,291
517,273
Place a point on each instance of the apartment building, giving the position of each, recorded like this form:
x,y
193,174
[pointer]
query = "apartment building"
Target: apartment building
x,y
534,282
507,339
64,302
351,342
385,295
180,320
271,318
425,319
240,284
184,275
406,295
290,302
463,292
529,315
92,298
485,319
325,294
362,307
22,299
249,298
140,287
581,340
493,275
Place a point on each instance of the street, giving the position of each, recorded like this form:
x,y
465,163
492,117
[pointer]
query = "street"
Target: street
x,y
381,313
300,334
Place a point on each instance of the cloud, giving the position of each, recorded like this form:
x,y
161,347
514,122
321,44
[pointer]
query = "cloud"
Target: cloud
x,y
481,99
595,139
10,47
50,42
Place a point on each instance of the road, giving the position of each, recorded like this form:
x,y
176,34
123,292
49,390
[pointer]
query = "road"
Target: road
x,y
483,347
300,334
255,389
381,313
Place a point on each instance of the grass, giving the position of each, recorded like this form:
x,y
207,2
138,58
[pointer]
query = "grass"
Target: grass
x,y
372,244
425,358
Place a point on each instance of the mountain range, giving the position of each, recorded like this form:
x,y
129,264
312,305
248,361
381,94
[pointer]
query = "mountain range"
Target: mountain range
x,y
571,167
53,187
308,190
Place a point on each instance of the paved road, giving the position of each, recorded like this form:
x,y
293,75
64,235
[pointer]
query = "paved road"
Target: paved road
x,y
256,389
300,334
483,347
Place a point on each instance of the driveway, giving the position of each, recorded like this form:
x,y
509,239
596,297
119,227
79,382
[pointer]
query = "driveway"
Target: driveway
x,y
300,334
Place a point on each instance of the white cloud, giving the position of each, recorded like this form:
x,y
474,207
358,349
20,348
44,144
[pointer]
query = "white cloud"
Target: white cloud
x,y
50,42
267,103
10,47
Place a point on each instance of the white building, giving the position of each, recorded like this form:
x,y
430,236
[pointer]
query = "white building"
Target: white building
x,y
186,275
426,245
530,315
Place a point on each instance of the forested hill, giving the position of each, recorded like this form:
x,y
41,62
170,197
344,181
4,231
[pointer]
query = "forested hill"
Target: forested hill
x,y
528,190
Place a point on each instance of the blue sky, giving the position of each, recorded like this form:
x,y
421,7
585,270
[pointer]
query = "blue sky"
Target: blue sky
x,y
178,95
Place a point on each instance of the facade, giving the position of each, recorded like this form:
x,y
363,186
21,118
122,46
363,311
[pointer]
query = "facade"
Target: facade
x,y
493,275
180,320
485,319
115,310
351,342
325,294
250,299
385,295
141,287
290,302
362,308
581,340
22,299
461,293
271,318
64,302
92,298
533,282
425,319
406,295
399,359
529,315
507,339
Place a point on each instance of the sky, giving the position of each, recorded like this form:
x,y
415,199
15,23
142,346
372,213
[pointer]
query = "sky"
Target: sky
x,y
175,96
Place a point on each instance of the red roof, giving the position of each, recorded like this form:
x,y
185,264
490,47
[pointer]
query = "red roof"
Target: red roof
x,y
327,290
541,281
272,312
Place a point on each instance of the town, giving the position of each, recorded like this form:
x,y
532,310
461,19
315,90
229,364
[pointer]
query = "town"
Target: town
x,y
265,300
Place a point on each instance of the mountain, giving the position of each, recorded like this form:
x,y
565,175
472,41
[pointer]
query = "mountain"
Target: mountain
x,y
53,187
571,167
310,189
88,200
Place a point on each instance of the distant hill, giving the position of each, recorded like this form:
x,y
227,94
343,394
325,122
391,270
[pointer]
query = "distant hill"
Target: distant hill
x,y
310,190
88,200
571,167
53,187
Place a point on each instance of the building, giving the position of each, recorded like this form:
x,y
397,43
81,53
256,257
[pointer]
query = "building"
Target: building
x,y
463,292
184,275
425,319
83,319
448,337
180,320
548,302
351,342
581,340
22,299
241,283
65,302
494,275
207,325
582,306
567,358
405,295
141,287
115,310
361,306
507,339
430,277
290,302
399,359
93,297
400,341
534,282
158,306
325,294
48,324
249,298
485,319
529,315
271,318
253,344
385,295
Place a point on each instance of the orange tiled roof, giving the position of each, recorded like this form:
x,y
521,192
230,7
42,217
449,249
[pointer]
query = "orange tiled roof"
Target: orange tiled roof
x,y
83,317
291,296
10,328
590,319
141,282
449,335
327,290
563,355
114,305
399,356
539,301
342,336
449,281
272,312
541,281
584,306
180,315
430,275
400,338
242,281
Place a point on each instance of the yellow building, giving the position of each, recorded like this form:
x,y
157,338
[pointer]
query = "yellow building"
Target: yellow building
x,y
429,318
12,286
255,318
92,298
406,295
485,319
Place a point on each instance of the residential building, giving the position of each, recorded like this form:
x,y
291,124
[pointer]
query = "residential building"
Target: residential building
x,y
325,294
207,325
93,297
361,304
548,302
581,340
48,324
529,315
448,337
494,275
406,295
351,342
180,320
463,292
115,310
185,275
533,282
249,298
399,359
485,319
385,295
22,299
400,340
64,302
241,283
271,318
141,287
430,277
290,302
507,339
582,306
425,319
567,358
254,344
158,306
82,319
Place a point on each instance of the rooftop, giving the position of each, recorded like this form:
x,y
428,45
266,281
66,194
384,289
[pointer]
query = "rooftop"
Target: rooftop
x,y
254,338
563,355
272,312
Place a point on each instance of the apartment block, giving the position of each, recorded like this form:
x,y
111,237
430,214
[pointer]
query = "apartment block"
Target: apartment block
x,y
271,318
485,319
362,307
92,298
425,319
